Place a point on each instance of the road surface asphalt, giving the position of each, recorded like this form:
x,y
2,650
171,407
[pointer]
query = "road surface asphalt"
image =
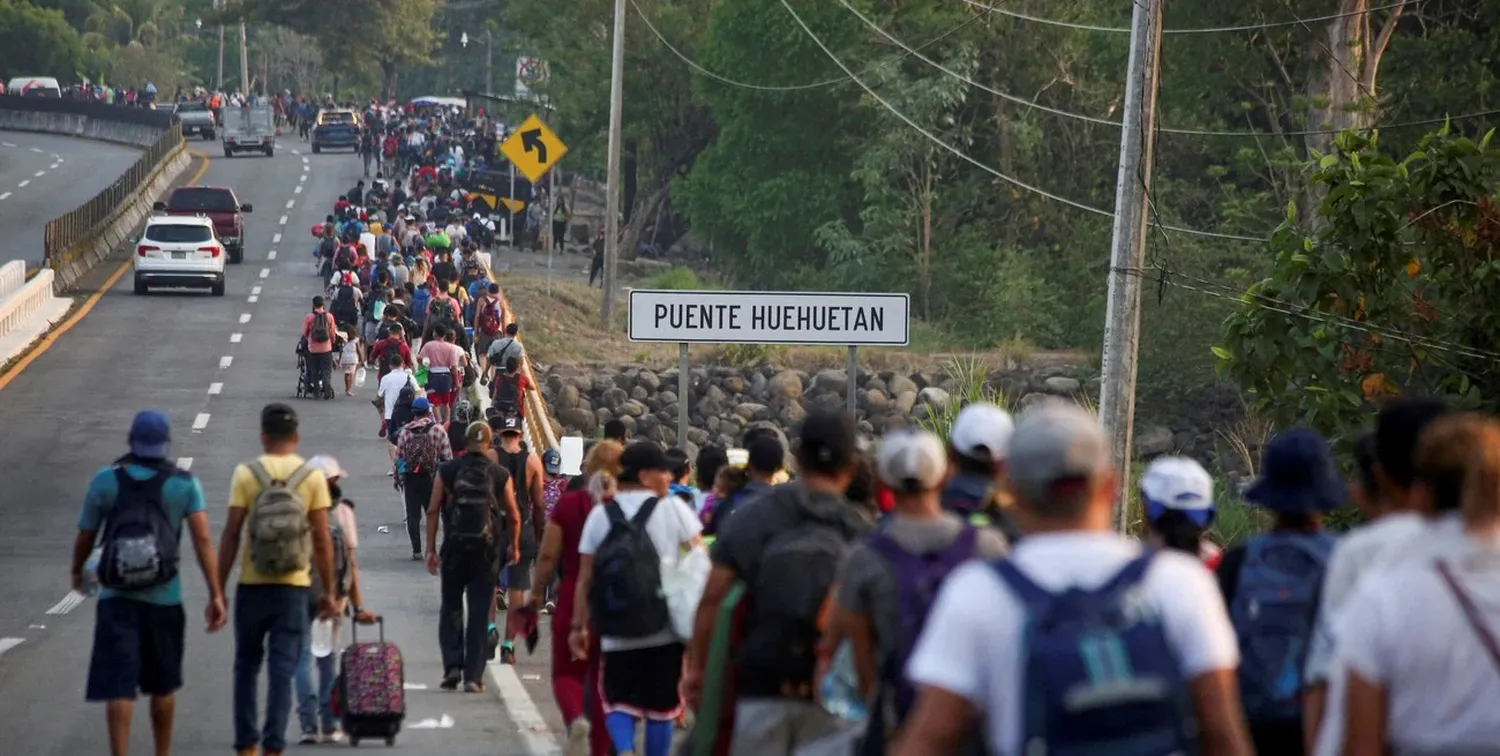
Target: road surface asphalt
x,y
211,363
43,176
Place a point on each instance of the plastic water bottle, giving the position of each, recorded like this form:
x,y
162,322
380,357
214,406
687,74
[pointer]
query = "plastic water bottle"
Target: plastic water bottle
x,y
840,687
91,573
322,638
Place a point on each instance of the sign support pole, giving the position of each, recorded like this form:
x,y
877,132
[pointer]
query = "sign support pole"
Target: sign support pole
x,y
684,385
513,238
850,397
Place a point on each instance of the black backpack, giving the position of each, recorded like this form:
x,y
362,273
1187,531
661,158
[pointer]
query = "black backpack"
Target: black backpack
x,y
506,395
625,599
401,413
790,588
472,524
344,309
138,548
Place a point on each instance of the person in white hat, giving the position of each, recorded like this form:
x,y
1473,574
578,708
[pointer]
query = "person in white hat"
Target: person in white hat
x,y
1178,496
978,445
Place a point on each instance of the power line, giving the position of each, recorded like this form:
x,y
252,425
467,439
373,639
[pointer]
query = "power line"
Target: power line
x,y
960,154
1210,30
696,66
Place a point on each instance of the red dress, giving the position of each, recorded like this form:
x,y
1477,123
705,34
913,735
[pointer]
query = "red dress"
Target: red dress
x,y
572,678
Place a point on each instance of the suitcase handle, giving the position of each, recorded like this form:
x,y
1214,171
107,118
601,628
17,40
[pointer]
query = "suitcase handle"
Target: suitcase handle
x,y
354,628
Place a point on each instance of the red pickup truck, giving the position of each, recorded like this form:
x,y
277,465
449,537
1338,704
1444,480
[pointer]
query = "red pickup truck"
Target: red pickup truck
x,y
219,205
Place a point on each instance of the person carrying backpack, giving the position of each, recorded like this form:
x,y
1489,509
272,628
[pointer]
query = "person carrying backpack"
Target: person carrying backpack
x,y
619,596
786,556
1273,582
526,477
315,702
1082,641
977,446
508,390
421,446
135,510
473,498
489,319
886,587
278,519
318,329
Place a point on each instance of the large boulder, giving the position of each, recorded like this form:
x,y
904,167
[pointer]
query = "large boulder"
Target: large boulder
x,y
1062,385
900,384
784,385
935,398
1153,441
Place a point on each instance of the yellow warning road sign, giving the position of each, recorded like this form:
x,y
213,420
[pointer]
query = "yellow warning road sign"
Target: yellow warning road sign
x,y
534,149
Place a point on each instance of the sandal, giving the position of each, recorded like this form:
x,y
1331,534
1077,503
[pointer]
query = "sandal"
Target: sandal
x,y
473,687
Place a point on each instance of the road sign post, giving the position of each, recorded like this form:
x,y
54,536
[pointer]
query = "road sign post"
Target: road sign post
x,y
758,317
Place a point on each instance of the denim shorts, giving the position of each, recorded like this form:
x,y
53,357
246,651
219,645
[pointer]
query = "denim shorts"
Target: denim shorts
x,y
137,649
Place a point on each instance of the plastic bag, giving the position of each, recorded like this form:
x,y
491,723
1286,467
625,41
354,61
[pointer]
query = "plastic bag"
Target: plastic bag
x,y
682,584
360,375
321,641
421,375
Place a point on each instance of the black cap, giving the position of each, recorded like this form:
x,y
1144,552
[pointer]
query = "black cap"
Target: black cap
x,y
640,457
511,424
826,442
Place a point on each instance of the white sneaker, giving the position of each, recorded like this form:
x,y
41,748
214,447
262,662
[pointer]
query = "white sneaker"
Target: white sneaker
x,y
578,738
333,737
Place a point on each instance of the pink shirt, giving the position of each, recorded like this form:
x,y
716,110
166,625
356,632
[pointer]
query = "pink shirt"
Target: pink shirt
x,y
316,347
440,355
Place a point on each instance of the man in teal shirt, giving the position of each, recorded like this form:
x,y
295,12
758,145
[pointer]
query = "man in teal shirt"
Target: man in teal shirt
x,y
138,634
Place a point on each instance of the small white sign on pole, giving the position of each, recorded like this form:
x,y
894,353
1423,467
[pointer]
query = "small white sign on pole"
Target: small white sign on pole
x,y
781,317
572,454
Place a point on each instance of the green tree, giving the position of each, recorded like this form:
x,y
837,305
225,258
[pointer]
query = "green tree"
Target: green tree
x,y
39,42
1395,293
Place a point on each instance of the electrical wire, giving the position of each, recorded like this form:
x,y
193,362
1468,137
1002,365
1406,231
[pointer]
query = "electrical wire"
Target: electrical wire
x,y
1209,30
960,154
696,66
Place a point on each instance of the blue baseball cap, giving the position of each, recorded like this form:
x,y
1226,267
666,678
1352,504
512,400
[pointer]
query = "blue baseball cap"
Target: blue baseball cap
x,y
1298,475
420,405
150,435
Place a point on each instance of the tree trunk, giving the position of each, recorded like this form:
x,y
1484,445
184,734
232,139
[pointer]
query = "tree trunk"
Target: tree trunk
x,y
388,74
924,249
630,241
1342,93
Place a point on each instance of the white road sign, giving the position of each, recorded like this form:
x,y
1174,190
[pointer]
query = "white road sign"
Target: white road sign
x,y
779,317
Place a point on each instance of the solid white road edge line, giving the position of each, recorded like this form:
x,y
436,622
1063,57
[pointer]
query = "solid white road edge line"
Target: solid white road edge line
x,y
215,389
535,733
185,463
7,644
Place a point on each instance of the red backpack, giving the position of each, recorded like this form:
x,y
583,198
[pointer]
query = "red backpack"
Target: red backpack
x,y
489,318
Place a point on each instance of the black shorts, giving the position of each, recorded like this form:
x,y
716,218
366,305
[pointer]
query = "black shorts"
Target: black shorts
x,y
137,649
643,682
519,577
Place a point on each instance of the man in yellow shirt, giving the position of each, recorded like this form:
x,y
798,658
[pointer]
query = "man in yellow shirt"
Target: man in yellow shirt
x,y
271,600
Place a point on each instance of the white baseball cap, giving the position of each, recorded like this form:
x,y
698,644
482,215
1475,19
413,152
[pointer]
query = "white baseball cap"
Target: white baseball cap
x,y
1181,484
912,461
982,431
329,465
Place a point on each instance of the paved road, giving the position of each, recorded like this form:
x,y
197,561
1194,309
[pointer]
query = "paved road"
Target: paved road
x,y
213,363
44,176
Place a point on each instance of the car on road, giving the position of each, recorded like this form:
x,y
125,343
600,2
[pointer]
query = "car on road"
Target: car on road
x,y
252,127
220,206
179,250
335,128
195,118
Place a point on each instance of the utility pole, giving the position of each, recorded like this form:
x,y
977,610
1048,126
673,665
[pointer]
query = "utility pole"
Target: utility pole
x,y
1122,323
220,86
612,190
244,63
489,62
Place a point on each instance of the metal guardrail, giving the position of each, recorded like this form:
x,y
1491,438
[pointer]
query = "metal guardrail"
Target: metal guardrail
x,y
69,233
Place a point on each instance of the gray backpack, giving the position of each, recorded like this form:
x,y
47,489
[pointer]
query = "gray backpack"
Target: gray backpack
x,y
279,535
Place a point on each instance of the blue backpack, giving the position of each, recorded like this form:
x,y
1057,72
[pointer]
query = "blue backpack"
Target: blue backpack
x,y
1100,677
1275,605
138,548
420,299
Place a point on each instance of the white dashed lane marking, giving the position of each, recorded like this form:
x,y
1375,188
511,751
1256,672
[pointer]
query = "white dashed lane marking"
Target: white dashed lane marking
x,y
271,255
275,238
39,174
254,289
185,463
68,603
252,299
55,166
7,644
282,222
36,150
291,204
4,195
201,421
297,190
7,144
244,317
235,338
215,389
23,184
226,361
265,272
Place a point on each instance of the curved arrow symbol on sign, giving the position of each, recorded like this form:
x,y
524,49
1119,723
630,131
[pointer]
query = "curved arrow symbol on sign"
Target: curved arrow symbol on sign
x,y
531,141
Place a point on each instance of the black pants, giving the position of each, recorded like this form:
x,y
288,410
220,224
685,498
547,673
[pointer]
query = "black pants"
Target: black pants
x,y
418,492
463,639
319,368
559,234
595,268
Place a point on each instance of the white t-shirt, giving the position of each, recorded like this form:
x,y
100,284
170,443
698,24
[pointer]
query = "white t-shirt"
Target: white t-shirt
x,y
344,514
972,643
671,526
390,388
1407,632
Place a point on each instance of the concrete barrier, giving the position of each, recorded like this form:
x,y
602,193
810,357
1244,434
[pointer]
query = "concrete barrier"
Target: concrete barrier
x,y
28,311
126,219
12,277
79,125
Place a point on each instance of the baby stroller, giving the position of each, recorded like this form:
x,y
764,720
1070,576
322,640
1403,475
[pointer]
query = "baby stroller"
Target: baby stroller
x,y
308,385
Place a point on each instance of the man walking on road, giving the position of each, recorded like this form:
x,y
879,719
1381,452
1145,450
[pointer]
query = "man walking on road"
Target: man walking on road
x,y
280,504
527,477
140,503
421,446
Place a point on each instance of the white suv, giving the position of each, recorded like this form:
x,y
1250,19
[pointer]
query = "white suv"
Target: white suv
x,y
179,250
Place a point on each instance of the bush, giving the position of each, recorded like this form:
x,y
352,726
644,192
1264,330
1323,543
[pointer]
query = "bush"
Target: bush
x,y
676,278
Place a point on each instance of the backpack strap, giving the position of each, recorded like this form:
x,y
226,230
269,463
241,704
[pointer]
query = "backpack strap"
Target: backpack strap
x,y
1471,613
298,476
614,513
262,476
640,518
1032,595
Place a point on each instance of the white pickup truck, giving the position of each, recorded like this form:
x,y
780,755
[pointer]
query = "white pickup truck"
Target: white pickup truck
x,y
249,128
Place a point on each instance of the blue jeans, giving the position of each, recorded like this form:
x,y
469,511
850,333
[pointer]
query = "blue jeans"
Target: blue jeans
x,y
315,705
269,622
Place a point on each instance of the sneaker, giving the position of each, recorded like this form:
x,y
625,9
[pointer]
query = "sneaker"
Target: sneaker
x,y
309,738
473,687
502,599
493,641
451,680
416,556
578,738
548,607
333,737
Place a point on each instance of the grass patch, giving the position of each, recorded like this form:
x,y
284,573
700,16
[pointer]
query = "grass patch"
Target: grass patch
x,y
676,278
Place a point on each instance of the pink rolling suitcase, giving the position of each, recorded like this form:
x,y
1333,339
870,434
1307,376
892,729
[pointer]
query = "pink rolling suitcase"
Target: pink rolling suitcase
x,y
371,689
